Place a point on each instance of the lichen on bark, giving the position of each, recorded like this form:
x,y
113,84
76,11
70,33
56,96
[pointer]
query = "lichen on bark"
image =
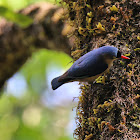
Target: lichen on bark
x,y
112,110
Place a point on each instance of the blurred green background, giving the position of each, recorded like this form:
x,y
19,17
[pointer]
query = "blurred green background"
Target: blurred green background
x,y
29,108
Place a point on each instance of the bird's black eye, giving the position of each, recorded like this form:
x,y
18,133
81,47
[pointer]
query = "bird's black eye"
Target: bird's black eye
x,y
118,54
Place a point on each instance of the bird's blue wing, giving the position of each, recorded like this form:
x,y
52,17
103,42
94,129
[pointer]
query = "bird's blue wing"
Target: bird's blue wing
x,y
87,67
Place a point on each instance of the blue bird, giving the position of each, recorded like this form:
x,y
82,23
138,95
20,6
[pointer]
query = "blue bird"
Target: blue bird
x,y
90,66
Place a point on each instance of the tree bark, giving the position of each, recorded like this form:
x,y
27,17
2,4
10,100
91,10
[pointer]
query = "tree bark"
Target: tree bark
x,y
110,111
48,31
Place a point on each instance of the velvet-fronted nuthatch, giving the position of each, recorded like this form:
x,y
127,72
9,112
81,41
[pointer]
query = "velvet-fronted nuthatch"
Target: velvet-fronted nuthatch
x,y
90,66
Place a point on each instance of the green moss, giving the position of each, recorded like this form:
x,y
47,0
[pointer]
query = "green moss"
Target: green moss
x,y
137,49
114,8
100,27
90,14
128,54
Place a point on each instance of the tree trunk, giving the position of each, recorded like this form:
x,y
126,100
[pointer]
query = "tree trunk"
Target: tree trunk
x,y
110,111
48,31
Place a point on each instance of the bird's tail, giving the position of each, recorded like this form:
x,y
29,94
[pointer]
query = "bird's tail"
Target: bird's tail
x,y
55,83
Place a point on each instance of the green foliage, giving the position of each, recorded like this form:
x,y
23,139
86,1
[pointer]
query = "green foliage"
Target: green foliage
x,y
23,119
20,19
26,117
7,9
18,4
35,70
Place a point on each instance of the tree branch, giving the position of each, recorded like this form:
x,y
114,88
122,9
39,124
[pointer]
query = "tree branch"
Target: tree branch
x,y
17,44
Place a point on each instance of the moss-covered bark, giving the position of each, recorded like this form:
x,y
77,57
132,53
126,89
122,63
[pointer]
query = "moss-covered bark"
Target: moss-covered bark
x,y
110,111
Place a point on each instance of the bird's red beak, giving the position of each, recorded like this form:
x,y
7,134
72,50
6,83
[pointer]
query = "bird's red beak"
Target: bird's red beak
x,y
124,57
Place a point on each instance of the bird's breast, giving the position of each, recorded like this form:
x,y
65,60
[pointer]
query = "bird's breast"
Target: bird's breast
x,y
90,79
93,78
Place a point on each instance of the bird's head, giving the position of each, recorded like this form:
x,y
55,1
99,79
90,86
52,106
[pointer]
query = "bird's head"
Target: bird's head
x,y
110,53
